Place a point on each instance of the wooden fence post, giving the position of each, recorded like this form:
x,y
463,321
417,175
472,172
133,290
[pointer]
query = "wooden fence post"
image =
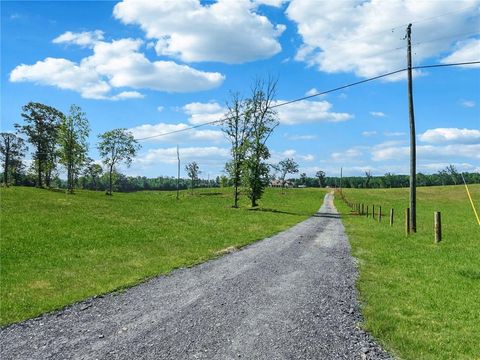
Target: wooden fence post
x,y
391,217
367,210
407,221
379,214
373,211
438,226
363,208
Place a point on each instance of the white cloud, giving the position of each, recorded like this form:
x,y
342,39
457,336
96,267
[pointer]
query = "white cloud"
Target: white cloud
x,y
295,137
377,114
311,92
116,64
369,133
180,136
468,103
349,154
465,51
201,113
366,37
226,31
428,152
277,156
160,108
307,111
85,39
203,155
394,133
451,135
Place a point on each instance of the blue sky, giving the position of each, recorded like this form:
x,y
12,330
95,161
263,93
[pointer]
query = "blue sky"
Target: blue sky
x,y
157,66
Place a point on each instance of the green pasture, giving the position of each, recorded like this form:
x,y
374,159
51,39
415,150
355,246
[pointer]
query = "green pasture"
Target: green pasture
x,y
57,249
420,299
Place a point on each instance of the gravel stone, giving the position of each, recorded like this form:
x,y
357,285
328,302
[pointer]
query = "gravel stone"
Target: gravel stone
x,y
291,296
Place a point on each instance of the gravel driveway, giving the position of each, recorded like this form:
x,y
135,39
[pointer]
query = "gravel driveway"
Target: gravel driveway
x,y
291,296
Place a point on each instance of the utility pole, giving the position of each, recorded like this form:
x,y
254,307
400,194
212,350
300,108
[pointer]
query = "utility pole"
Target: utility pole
x,y
413,151
341,176
178,172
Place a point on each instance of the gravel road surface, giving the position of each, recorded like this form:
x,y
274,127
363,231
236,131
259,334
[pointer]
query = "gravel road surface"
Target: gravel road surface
x,y
291,296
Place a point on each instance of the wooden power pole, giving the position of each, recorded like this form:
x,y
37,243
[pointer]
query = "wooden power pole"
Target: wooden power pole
x,y
413,151
178,172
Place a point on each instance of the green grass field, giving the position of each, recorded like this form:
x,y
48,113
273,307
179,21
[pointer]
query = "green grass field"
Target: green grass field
x,y
57,249
421,300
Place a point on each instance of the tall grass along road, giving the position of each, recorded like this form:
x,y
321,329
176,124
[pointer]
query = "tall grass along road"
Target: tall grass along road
x,y
289,296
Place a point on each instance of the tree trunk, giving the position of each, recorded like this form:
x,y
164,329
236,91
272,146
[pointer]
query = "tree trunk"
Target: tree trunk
x,y
110,181
39,172
5,167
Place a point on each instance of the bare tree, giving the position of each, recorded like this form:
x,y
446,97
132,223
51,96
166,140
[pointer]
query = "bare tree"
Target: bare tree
x,y
368,177
452,170
320,175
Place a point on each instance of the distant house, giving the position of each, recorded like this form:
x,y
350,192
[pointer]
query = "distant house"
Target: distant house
x,y
278,183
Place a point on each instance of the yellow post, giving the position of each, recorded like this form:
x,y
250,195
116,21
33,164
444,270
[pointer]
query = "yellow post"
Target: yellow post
x,y
471,201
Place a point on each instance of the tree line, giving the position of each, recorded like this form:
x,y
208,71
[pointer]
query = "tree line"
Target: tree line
x,y
60,139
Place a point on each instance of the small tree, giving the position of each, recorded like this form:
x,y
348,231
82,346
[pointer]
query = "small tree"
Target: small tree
x,y
303,179
72,138
284,167
117,146
41,128
320,175
368,178
93,171
237,128
192,171
452,170
12,149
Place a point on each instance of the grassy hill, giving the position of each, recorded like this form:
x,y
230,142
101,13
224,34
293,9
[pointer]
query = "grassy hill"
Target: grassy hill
x,y
57,249
421,299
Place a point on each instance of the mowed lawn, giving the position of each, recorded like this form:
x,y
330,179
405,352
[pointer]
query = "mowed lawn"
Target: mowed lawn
x,y
421,300
57,249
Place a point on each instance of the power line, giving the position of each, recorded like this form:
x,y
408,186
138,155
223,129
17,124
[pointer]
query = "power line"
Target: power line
x,y
318,94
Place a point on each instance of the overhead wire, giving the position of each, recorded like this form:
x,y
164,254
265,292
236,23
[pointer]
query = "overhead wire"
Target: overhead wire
x,y
284,103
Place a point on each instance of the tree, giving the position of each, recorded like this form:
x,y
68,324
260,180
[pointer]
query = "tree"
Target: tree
x,y
262,122
93,171
303,179
320,175
12,149
452,170
41,128
192,171
368,178
116,146
72,138
284,167
237,127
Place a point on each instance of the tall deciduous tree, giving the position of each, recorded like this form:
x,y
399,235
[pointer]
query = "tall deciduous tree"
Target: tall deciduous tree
x,y
12,149
237,128
117,146
41,128
72,139
284,167
193,170
262,122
